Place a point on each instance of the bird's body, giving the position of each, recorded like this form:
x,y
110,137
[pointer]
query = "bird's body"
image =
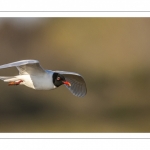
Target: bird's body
x,y
43,82
32,75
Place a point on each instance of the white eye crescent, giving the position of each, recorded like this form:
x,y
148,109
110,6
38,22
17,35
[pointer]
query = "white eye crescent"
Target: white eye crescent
x,y
58,78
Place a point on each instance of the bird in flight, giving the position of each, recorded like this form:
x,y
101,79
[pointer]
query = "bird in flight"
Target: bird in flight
x,y
32,75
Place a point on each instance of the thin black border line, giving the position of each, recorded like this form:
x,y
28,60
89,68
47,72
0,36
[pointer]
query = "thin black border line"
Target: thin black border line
x,y
79,11
78,138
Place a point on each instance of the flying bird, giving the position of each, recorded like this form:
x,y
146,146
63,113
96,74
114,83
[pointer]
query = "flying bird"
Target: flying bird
x,y
32,75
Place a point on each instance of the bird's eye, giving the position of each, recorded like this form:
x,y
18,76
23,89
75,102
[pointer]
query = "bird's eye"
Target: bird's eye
x,y
58,78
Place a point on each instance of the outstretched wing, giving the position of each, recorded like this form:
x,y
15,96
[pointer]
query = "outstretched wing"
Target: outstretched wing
x,y
31,67
78,86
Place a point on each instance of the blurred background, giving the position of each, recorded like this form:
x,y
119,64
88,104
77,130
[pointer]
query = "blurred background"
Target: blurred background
x,y
113,56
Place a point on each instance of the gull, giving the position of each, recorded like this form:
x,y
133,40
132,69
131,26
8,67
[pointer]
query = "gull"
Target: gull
x,y
32,75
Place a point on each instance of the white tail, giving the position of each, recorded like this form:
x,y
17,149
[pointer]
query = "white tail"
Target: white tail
x,y
8,79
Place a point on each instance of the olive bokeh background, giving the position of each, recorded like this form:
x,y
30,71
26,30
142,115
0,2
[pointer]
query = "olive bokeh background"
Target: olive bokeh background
x,y
113,56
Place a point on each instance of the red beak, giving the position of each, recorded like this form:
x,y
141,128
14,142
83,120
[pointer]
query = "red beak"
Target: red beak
x,y
67,83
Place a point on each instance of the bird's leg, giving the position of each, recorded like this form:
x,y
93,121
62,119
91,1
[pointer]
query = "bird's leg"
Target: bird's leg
x,y
15,82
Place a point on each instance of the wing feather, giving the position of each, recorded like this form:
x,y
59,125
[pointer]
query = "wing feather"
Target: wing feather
x,y
78,85
31,67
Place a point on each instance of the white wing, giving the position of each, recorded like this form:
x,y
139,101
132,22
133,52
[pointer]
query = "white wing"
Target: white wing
x,y
31,67
78,86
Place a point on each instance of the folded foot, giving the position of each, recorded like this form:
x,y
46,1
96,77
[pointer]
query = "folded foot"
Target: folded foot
x,y
15,82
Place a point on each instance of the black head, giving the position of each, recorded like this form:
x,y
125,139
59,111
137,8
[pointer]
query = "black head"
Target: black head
x,y
59,79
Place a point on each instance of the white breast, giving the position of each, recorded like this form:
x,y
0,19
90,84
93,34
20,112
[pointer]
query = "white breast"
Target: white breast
x,y
44,82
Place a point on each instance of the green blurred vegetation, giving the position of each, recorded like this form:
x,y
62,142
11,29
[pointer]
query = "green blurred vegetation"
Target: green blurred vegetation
x,y
112,54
